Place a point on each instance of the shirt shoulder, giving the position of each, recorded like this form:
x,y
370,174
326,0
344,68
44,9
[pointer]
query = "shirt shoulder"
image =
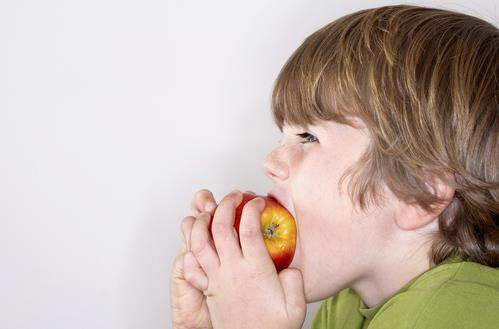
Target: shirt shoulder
x,y
339,311
460,295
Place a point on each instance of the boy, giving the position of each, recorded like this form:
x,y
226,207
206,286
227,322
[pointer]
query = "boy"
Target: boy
x,y
389,164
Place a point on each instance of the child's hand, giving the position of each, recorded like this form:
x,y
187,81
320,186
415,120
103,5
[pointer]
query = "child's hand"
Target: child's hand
x,y
189,309
243,288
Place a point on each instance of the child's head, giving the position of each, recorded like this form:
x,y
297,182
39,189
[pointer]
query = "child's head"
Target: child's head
x,y
425,83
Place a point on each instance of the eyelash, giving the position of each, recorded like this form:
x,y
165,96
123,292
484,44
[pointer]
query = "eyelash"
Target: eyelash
x,y
309,138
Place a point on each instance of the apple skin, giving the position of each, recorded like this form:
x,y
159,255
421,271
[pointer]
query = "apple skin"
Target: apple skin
x,y
278,228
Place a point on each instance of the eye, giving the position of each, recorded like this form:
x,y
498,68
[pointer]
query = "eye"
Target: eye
x,y
307,138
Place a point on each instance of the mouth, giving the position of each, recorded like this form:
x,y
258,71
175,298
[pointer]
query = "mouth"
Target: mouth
x,y
284,204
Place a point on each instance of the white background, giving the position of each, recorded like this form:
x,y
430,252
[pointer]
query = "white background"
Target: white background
x,y
112,114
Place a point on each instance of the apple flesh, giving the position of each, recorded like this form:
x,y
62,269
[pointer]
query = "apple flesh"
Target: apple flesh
x,y
278,228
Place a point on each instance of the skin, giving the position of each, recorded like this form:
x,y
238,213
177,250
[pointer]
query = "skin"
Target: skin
x,y
188,303
375,252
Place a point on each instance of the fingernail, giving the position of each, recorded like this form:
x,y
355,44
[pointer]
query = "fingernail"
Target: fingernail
x,y
238,194
210,207
261,203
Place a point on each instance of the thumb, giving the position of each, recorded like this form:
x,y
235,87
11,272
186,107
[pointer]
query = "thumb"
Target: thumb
x,y
292,284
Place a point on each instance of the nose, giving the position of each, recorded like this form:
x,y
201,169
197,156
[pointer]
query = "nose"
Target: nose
x,y
275,166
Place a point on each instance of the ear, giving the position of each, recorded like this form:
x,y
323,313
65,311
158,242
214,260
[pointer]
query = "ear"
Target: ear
x,y
413,216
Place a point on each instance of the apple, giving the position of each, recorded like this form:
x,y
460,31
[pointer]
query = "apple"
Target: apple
x,y
278,228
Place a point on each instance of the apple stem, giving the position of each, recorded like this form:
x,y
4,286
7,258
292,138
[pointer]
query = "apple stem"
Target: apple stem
x,y
270,231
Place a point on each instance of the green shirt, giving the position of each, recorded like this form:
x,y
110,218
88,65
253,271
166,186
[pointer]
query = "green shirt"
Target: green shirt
x,y
455,294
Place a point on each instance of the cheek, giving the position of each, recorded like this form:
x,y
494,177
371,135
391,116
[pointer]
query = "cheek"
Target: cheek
x,y
321,216
325,225
322,210
315,187
324,215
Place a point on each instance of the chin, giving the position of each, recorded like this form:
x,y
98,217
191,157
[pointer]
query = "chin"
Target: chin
x,y
316,288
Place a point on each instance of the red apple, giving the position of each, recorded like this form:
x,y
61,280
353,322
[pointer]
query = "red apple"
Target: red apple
x,y
278,229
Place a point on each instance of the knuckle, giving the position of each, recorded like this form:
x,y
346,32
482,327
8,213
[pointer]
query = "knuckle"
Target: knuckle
x,y
204,215
198,247
188,275
219,229
189,272
249,233
256,271
186,223
178,260
199,238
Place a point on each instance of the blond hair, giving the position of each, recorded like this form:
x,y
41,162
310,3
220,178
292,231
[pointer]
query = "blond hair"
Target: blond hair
x,y
425,82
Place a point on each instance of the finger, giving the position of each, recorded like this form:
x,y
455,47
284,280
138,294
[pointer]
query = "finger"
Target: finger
x,y
186,227
224,233
250,234
294,292
250,192
201,245
203,200
193,272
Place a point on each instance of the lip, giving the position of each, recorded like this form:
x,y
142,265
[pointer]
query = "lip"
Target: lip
x,y
284,204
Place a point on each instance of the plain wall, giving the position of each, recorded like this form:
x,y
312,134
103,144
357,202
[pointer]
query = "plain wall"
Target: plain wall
x,y
112,114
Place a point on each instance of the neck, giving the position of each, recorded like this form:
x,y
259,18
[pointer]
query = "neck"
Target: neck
x,y
405,258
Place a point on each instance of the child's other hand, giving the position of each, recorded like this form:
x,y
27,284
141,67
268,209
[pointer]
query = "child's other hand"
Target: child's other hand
x,y
188,304
243,288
